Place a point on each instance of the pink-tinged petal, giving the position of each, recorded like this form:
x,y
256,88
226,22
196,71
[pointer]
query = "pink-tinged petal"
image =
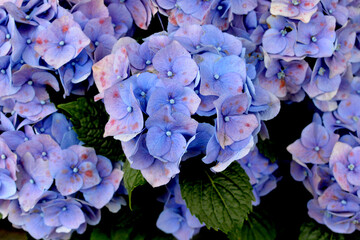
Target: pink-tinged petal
x,y
85,154
67,182
340,153
340,172
158,174
111,69
115,178
138,12
305,16
76,38
24,109
190,99
29,195
185,70
241,127
89,174
337,64
283,9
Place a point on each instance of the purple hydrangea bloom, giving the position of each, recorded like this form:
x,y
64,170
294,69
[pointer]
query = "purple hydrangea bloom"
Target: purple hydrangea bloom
x,y
99,195
316,38
166,136
345,40
280,38
176,218
282,78
75,170
321,85
221,74
139,10
345,165
32,99
84,11
156,172
101,33
232,123
74,74
34,180
336,9
174,64
126,120
176,97
64,213
315,144
61,41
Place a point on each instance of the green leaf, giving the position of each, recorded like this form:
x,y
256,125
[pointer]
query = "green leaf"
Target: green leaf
x,y
89,119
97,234
256,227
222,200
132,179
315,231
268,149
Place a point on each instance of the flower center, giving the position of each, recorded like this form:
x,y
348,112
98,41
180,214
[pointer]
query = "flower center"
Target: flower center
x,y
226,119
351,166
3,156
75,169
43,154
30,82
8,36
169,73
172,101
314,39
321,71
316,148
3,71
28,41
216,76
61,43
281,75
343,202
96,43
148,62
219,7
295,2
31,181
129,109
168,133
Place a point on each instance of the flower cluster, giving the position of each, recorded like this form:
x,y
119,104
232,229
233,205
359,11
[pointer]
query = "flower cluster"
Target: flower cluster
x,y
202,89
327,163
50,185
